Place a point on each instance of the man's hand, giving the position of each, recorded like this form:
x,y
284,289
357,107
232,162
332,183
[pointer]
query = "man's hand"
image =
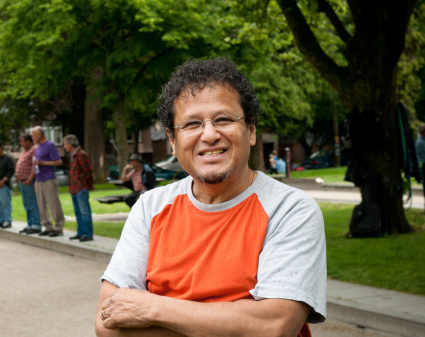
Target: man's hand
x,y
128,168
37,162
28,182
127,308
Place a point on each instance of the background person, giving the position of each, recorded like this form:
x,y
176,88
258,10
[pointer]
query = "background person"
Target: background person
x,y
7,170
79,186
25,176
273,162
46,186
141,176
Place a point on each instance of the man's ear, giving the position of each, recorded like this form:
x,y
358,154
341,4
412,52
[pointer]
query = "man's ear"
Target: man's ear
x,y
252,134
172,141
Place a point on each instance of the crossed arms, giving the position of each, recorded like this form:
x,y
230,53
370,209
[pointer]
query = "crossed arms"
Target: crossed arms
x,y
135,313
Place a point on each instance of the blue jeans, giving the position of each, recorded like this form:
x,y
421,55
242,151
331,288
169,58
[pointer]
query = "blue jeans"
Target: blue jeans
x,y
30,204
83,213
5,204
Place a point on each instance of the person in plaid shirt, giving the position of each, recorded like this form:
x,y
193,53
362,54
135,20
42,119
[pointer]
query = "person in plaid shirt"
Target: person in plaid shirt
x,y
25,175
80,183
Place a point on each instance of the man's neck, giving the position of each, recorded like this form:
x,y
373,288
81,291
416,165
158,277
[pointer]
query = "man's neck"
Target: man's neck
x,y
229,189
43,140
2,153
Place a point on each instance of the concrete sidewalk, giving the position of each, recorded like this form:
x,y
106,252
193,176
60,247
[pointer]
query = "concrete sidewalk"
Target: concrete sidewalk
x,y
388,311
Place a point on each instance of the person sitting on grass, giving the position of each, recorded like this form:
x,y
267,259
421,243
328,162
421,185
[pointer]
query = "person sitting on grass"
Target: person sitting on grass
x,y
140,178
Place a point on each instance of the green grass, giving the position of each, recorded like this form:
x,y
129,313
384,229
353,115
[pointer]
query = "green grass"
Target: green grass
x,y
108,229
329,175
393,262
68,209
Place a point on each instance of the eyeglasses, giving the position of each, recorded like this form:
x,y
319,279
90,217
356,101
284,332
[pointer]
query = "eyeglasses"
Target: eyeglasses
x,y
221,123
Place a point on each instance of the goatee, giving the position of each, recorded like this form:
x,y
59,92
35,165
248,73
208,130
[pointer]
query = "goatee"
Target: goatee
x,y
213,178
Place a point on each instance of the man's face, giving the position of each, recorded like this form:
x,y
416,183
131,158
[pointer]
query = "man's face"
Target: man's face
x,y
68,147
26,144
212,156
36,136
135,163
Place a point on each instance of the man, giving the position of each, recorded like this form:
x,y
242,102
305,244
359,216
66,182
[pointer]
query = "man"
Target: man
x,y
141,176
420,149
7,170
226,251
46,186
25,176
80,183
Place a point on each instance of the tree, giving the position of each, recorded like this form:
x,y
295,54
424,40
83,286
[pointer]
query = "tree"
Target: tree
x,y
367,79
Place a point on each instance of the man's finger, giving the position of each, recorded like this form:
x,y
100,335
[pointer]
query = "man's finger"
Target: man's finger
x,y
106,303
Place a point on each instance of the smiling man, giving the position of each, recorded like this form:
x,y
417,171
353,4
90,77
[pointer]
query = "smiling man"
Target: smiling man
x,y
226,251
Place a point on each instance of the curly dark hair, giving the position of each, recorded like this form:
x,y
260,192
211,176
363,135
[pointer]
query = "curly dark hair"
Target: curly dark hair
x,y
196,75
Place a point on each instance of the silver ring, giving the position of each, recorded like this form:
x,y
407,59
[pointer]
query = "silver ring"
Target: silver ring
x,y
103,316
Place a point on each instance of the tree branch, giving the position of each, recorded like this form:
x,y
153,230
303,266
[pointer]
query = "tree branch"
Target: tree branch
x,y
145,66
334,19
309,46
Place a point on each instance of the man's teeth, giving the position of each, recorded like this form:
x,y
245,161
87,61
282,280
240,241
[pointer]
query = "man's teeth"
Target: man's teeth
x,y
212,153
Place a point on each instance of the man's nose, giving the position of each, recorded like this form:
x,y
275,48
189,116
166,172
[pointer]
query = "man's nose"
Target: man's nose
x,y
210,133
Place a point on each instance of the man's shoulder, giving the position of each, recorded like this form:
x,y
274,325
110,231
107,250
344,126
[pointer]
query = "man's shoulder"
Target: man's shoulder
x,y
274,195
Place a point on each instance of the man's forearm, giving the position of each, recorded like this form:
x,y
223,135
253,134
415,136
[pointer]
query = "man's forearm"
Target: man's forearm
x,y
50,163
271,317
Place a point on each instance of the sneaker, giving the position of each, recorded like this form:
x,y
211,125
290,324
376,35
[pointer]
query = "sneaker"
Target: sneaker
x,y
75,237
6,225
55,233
24,231
86,238
44,233
33,231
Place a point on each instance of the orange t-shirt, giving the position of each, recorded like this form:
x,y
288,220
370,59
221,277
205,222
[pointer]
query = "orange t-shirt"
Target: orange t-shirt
x,y
203,255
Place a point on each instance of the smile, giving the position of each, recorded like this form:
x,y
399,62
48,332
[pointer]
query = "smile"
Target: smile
x,y
212,153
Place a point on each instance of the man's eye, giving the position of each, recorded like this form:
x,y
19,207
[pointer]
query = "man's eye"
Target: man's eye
x,y
191,125
224,120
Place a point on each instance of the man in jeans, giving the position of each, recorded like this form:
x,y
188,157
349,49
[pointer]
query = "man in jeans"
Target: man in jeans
x,y
80,183
7,170
25,176
46,184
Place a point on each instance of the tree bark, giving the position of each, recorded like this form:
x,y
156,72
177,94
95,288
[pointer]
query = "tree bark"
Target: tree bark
x,y
369,80
121,135
336,140
94,136
256,159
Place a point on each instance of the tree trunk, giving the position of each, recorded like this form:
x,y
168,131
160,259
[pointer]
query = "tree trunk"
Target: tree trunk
x,y
378,94
94,137
256,159
121,136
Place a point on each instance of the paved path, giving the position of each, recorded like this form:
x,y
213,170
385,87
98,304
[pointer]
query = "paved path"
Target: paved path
x,y
48,294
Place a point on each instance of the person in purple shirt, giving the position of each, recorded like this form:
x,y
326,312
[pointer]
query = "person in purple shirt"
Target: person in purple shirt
x,y
46,184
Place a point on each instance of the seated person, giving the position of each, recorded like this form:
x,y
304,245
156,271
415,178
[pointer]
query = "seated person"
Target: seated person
x,y
138,177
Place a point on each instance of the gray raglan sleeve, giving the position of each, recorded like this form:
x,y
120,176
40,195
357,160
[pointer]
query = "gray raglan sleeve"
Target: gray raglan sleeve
x,y
292,264
127,268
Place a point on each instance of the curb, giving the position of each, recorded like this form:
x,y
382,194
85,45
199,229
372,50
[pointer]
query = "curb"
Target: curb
x,y
84,252
383,320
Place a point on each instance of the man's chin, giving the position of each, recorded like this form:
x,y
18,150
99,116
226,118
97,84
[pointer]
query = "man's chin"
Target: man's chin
x,y
213,178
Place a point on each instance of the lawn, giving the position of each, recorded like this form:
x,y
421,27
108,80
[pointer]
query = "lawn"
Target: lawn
x,y
66,201
393,262
329,175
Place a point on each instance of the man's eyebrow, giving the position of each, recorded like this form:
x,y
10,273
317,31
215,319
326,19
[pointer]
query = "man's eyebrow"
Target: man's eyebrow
x,y
196,115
